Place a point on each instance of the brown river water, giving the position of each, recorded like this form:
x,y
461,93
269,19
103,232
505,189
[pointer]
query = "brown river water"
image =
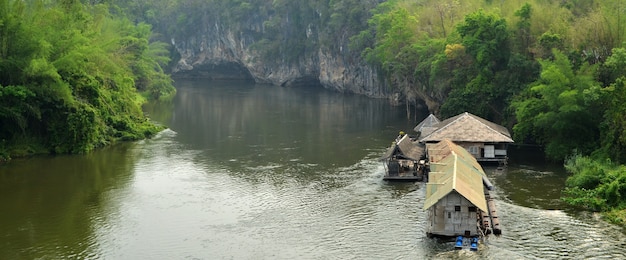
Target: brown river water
x,y
248,171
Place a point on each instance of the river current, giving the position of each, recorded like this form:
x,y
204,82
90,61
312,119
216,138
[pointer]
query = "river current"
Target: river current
x,y
249,171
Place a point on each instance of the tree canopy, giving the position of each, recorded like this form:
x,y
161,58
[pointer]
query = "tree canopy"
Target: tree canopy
x,y
71,76
548,70
561,110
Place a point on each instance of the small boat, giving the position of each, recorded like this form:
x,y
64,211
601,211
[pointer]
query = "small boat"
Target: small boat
x,y
404,160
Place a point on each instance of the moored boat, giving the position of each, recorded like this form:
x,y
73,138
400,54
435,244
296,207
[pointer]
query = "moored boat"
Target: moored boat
x,y
404,160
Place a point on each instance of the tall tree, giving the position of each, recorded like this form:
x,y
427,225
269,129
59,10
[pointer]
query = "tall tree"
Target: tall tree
x,y
523,34
562,110
613,128
485,38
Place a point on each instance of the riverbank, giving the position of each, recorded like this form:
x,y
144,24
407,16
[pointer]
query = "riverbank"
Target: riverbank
x,y
597,185
29,147
617,217
19,149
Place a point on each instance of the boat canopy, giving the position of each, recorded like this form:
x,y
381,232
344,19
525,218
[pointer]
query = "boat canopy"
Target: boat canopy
x,y
405,148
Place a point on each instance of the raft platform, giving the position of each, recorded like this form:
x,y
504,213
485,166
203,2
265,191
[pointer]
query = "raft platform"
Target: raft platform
x,y
404,160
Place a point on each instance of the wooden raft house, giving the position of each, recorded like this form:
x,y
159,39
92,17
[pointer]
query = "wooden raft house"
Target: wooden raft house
x,y
457,194
485,140
404,160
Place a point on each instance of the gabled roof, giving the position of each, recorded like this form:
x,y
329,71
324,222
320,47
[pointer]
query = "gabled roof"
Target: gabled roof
x,y
406,148
467,127
441,150
427,125
457,172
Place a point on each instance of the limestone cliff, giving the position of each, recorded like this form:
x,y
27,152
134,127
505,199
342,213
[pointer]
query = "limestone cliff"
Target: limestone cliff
x,y
218,52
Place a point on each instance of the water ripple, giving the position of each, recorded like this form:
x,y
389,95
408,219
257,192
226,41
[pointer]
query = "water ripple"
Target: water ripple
x,y
199,208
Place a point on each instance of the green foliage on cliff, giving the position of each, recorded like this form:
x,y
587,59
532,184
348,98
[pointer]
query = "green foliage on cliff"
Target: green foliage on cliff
x,y
456,56
70,75
486,39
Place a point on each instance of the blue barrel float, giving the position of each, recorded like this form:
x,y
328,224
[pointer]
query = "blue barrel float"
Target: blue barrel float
x,y
459,242
474,244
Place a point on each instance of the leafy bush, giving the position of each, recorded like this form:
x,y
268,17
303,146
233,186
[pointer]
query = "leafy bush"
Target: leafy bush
x,y
595,184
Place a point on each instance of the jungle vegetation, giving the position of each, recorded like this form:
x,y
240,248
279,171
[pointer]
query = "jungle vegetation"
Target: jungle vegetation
x,y
553,71
73,77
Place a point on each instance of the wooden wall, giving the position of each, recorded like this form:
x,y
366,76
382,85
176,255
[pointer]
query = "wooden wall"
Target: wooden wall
x,y
451,216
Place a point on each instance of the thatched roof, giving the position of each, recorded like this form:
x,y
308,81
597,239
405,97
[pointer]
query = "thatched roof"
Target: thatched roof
x,y
405,148
457,172
467,127
427,125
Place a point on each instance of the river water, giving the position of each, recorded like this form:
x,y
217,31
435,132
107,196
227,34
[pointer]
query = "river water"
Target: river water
x,y
250,171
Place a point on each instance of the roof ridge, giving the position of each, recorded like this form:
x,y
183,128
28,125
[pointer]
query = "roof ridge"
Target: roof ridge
x,y
446,125
474,117
454,169
429,121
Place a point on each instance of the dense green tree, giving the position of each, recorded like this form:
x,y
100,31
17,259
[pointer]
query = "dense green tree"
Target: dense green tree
x,y
523,36
613,128
485,38
548,42
69,77
562,110
394,31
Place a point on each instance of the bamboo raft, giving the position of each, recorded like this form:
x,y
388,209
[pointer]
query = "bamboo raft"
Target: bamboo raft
x,y
493,215
490,223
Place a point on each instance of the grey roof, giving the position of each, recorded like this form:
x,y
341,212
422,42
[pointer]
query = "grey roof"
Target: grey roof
x,y
427,125
457,171
467,127
406,148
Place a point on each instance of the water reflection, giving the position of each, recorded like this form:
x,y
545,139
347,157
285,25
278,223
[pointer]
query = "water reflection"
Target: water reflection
x,y
259,172
51,203
246,124
529,180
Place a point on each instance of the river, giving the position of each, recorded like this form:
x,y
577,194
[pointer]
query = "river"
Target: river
x,y
249,171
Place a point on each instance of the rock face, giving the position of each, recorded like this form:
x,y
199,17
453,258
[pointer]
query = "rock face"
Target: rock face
x,y
216,52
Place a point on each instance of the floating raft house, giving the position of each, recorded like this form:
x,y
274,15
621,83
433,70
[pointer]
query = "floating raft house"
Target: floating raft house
x,y
457,193
485,140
